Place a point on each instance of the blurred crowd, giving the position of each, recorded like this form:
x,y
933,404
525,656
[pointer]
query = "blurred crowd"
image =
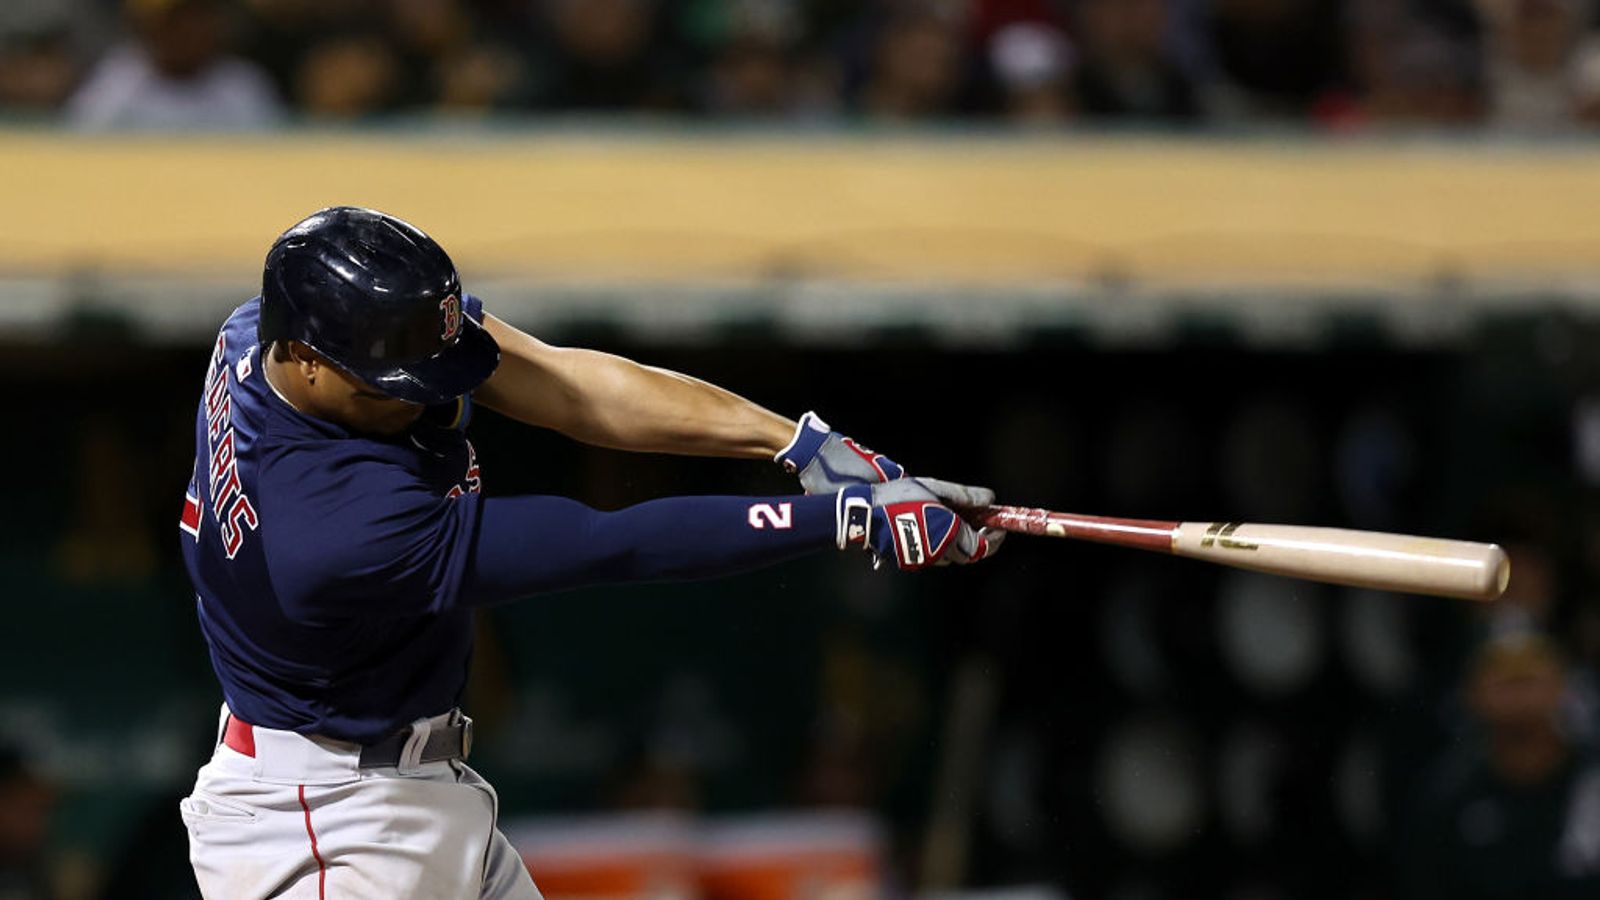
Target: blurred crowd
x,y
1520,65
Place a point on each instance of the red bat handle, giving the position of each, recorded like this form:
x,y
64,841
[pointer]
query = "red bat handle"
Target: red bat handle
x,y
1146,534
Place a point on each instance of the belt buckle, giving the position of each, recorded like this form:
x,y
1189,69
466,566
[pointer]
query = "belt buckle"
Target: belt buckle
x,y
466,736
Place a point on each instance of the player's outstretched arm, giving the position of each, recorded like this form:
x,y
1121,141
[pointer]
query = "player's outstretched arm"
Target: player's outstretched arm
x,y
678,538
415,553
609,401
614,402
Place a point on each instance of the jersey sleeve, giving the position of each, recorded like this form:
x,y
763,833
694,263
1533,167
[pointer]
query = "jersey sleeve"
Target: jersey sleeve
x,y
364,538
528,545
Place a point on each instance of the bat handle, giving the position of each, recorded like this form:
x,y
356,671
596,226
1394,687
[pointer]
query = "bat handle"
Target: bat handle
x,y
1145,534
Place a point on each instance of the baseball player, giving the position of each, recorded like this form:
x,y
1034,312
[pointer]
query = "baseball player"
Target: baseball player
x,y
338,541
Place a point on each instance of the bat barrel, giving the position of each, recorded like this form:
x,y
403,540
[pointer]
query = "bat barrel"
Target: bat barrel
x,y
1373,559
1391,562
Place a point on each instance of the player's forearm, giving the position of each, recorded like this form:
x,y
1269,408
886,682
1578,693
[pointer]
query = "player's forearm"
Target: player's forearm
x,y
635,407
530,545
609,401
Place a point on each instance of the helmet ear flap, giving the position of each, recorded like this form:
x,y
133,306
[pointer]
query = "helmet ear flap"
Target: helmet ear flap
x,y
274,322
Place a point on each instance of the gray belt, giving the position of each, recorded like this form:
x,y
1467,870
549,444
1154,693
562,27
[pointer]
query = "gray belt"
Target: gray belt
x,y
453,741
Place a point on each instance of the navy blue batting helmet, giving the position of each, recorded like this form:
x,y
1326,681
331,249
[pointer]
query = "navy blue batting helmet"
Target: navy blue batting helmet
x,y
380,300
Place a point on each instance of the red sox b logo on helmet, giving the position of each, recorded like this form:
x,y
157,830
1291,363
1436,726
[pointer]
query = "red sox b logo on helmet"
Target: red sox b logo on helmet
x,y
451,307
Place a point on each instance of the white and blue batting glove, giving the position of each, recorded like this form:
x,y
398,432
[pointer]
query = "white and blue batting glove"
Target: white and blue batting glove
x,y
908,521
827,461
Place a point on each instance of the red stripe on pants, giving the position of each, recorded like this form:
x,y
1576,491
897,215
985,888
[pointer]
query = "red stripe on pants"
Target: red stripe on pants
x,y
322,871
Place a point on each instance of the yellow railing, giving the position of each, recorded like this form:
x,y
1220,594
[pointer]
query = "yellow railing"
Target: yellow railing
x,y
671,207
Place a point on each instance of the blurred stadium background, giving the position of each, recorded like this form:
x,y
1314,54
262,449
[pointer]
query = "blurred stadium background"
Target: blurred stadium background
x,y
1318,261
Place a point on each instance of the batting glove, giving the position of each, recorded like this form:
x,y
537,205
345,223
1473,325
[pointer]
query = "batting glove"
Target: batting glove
x,y
907,520
827,461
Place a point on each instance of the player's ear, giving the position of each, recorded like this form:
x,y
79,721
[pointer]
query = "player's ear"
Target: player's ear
x,y
305,359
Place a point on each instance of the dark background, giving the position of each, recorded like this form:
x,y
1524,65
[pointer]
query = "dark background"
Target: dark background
x,y
822,683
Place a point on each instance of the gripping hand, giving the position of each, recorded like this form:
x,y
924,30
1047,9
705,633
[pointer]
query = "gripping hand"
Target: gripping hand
x,y
827,461
908,521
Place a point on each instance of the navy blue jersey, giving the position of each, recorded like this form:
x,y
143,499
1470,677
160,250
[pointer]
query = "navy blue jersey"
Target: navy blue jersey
x,y
335,573
267,477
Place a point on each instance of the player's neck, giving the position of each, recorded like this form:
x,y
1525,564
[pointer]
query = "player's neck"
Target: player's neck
x,y
281,379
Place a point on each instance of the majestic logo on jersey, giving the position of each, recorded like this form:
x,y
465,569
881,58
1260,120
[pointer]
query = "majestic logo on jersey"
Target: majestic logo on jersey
x,y
451,307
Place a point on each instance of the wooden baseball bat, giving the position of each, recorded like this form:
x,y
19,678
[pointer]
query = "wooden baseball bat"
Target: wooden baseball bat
x,y
1371,559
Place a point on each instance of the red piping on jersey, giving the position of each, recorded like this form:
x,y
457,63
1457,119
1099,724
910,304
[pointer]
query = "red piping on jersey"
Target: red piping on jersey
x,y
322,870
190,519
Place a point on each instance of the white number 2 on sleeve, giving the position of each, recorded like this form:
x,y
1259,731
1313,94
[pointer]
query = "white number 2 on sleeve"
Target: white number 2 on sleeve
x,y
780,517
